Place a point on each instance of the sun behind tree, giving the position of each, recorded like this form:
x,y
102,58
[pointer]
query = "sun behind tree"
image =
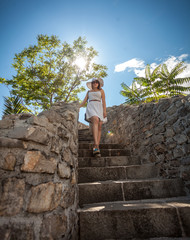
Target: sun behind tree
x,y
51,71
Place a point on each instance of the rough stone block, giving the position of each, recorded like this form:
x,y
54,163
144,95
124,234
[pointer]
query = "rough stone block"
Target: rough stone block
x,y
180,138
62,133
186,174
171,120
187,148
172,109
34,161
63,170
42,121
9,162
185,161
67,156
164,104
159,129
6,123
56,145
157,138
69,194
11,143
54,227
45,197
148,134
74,177
171,145
69,115
179,152
169,132
178,128
161,148
52,116
11,200
16,231
36,134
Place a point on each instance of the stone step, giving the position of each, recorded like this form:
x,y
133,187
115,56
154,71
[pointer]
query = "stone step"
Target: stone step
x,y
93,174
84,132
110,191
107,161
136,220
104,152
102,146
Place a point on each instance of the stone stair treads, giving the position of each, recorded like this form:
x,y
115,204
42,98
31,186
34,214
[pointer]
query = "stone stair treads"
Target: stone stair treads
x,y
136,220
121,198
104,152
102,146
110,191
107,161
84,135
93,174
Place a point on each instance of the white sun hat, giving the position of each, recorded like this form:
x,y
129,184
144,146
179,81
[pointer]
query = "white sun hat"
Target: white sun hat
x,y
89,84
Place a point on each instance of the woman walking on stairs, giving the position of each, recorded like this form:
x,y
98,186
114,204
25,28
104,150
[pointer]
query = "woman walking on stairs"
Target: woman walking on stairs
x,y
96,110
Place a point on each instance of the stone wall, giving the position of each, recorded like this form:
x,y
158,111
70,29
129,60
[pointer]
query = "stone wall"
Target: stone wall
x,y
38,169
155,132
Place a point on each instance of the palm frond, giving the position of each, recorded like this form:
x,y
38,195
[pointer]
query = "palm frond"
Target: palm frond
x,y
165,70
147,71
156,70
14,105
181,80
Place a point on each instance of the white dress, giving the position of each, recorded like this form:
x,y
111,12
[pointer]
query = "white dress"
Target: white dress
x,y
95,108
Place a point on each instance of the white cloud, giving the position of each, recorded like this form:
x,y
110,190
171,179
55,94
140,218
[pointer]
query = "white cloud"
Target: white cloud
x,y
183,56
131,64
172,61
138,65
140,72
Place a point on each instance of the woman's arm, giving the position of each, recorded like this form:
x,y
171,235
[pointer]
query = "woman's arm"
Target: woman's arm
x,y
84,101
104,103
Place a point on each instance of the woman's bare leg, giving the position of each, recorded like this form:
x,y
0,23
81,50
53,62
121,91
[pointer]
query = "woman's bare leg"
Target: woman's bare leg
x,y
95,121
99,132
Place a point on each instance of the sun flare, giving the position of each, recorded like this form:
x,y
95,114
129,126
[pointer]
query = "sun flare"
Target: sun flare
x,y
80,62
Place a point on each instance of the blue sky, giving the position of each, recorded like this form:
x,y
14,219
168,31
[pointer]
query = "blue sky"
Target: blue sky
x,y
127,34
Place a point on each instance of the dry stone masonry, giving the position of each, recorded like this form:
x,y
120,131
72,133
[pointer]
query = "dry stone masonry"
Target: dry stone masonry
x,y
155,133
38,169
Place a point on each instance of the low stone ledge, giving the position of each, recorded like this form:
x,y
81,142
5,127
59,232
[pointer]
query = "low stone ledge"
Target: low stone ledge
x,y
38,169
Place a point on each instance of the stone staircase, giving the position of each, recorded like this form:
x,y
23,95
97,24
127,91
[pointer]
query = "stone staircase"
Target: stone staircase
x,y
121,199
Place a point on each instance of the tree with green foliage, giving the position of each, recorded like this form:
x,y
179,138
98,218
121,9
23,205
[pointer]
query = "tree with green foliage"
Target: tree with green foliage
x,y
170,84
159,84
50,71
14,105
148,83
132,94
